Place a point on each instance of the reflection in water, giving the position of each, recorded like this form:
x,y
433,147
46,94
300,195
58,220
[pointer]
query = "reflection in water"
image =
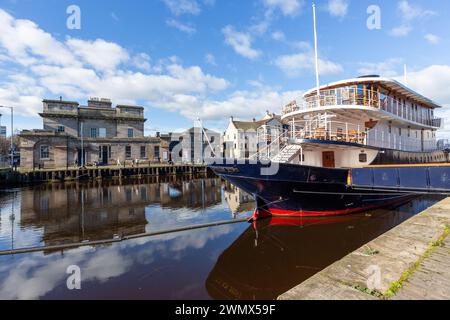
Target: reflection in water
x,y
238,200
228,262
275,255
67,213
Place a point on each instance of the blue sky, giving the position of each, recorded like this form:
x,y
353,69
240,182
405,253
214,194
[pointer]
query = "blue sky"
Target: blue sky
x,y
184,59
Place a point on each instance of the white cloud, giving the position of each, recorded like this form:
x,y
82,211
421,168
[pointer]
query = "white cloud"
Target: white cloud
x,y
401,31
432,38
433,82
278,36
338,8
210,59
20,37
183,27
142,61
241,42
296,64
387,68
101,55
409,15
77,69
248,104
287,7
179,7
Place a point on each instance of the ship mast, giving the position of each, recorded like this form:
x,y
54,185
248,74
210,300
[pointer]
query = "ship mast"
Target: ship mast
x,y
316,53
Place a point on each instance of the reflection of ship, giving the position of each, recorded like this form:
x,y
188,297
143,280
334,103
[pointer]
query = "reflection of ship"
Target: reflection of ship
x,y
238,200
95,211
276,254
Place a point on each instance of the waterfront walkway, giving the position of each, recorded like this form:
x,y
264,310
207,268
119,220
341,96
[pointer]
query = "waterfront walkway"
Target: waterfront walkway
x,y
412,261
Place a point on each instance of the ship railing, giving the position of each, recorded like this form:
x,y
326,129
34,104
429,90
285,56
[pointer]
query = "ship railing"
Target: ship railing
x,y
367,98
329,131
271,147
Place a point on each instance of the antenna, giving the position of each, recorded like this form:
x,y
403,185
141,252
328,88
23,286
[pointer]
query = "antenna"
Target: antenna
x,y
315,51
405,74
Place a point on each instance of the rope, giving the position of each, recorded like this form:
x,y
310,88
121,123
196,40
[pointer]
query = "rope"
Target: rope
x,y
121,239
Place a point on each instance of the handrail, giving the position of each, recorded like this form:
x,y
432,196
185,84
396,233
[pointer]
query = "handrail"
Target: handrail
x,y
281,136
369,98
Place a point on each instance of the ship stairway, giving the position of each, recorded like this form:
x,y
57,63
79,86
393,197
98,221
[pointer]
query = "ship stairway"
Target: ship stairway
x,y
287,153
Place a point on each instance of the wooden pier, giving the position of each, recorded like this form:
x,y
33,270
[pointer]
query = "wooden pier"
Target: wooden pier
x,y
97,173
410,262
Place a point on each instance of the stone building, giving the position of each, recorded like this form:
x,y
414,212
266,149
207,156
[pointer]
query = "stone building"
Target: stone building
x,y
94,134
195,145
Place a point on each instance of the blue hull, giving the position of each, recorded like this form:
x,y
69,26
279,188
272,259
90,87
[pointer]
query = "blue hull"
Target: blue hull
x,y
304,191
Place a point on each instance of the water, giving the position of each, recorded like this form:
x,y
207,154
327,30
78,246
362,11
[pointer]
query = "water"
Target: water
x,y
237,261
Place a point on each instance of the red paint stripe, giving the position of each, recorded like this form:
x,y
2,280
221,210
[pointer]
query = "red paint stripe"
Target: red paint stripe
x,y
281,212
291,213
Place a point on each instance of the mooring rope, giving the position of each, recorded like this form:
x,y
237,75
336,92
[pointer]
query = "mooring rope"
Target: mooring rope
x,y
121,239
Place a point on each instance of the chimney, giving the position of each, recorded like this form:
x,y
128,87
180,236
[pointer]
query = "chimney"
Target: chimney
x,y
60,98
231,118
158,134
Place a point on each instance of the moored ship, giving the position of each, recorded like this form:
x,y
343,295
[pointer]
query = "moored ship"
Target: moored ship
x,y
354,123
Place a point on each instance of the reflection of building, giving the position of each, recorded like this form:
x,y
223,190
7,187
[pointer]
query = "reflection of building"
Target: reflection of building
x,y
2,132
96,133
243,139
238,200
94,211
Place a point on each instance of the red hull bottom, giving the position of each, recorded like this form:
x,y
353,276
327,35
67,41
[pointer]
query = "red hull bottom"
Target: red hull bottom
x,y
274,212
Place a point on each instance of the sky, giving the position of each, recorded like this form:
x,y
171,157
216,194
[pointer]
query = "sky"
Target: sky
x,y
212,59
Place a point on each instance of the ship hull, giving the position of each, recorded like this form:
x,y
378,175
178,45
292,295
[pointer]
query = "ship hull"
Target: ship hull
x,y
297,190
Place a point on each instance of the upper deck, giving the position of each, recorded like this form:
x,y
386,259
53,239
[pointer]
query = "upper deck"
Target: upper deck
x,y
379,98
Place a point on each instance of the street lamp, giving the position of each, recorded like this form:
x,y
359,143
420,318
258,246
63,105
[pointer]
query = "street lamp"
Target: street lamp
x,y
12,134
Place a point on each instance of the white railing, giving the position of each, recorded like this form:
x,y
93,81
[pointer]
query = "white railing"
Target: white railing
x,y
367,98
329,131
272,148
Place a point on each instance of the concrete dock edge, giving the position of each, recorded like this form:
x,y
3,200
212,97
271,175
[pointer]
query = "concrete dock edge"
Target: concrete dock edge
x,y
400,264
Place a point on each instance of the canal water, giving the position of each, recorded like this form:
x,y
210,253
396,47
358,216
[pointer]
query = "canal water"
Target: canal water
x,y
236,261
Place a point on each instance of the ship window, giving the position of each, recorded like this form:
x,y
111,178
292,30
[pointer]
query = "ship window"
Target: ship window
x,y
363,157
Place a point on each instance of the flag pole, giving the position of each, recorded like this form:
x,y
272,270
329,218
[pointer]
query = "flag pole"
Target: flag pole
x,y
316,57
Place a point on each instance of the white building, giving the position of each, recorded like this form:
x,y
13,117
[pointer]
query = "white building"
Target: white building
x,y
243,139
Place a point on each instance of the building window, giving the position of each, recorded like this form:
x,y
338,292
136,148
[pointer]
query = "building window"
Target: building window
x,y
45,152
102,132
61,129
93,132
157,152
128,152
130,133
143,152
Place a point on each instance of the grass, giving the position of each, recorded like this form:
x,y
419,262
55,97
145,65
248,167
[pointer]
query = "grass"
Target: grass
x,y
397,285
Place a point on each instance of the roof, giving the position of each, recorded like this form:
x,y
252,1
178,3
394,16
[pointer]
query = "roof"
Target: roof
x,y
128,106
390,84
60,101
253,125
